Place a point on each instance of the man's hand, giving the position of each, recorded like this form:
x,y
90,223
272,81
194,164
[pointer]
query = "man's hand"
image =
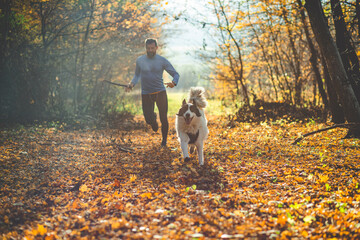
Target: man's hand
x,y
170,84
129,87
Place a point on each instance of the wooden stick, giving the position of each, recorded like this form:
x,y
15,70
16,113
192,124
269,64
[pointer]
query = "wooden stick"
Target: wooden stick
x,y
117,84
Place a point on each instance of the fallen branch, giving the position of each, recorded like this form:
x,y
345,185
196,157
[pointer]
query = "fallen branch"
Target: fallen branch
x,y
125,149
341,125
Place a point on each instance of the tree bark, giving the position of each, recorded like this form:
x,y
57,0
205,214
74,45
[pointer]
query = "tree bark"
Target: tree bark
x,y
313,56
333,60
5,8
347,50
336,110
357,10
80,94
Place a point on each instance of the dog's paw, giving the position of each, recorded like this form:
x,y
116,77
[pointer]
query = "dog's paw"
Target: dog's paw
x,y
187,159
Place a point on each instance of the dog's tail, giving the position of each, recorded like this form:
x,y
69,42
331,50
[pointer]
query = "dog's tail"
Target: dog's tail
x,y
197,94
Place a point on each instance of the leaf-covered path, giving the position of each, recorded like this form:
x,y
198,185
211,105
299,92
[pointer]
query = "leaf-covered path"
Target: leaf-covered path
x,y
92,184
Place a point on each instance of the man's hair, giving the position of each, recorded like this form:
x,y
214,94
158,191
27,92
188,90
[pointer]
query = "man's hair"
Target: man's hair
x,y
150,41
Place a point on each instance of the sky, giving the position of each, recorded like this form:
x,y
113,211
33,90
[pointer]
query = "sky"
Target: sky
x,y
183,38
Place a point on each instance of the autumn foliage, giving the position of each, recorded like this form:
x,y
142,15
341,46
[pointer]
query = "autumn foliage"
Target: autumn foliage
x,y
55,54
58,182
267,49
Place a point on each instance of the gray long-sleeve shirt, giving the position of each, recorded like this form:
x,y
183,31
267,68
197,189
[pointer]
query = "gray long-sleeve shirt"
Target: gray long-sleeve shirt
x,y
150,72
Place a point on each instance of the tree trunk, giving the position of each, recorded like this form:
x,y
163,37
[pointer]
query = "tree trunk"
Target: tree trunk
x,y
357,10
5,81
347,51
336,110
313,57
41,85
80,94
333,61
5,8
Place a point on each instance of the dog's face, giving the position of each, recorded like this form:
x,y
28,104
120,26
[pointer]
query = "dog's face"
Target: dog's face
x,y
188,111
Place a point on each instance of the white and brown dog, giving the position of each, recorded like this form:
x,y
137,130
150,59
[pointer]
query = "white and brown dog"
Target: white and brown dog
x,y
191,124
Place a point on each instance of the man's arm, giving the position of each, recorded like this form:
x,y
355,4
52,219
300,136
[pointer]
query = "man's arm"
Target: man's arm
x,y
170,84
171,70
136,77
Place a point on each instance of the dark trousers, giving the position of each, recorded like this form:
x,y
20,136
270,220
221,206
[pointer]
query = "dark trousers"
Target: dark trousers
x,y
148,105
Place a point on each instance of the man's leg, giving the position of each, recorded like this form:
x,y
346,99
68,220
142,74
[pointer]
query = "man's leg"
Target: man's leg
x,y
162,104
148,106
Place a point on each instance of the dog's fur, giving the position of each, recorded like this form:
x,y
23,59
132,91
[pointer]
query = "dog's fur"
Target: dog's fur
x,y
191,124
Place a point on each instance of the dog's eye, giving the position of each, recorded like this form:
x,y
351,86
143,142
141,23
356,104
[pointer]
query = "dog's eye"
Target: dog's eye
x,y
193,108
182,110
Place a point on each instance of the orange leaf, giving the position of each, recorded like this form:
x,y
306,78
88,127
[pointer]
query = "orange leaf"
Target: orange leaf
x,y
146,195
116,183
41,229
282,219
86,228
75,204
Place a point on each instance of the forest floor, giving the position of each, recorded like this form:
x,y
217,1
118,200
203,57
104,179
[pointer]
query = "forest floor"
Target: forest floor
x,y
63,183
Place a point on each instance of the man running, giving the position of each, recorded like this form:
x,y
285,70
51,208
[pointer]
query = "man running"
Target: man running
x,y
149,69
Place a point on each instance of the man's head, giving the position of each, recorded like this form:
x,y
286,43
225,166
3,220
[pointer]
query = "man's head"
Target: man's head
x,y
151,47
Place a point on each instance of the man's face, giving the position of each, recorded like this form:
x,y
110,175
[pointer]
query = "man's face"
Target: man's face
x,y
151,50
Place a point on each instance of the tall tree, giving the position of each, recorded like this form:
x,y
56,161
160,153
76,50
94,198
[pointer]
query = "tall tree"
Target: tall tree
x,y
313,55
333,60
346,48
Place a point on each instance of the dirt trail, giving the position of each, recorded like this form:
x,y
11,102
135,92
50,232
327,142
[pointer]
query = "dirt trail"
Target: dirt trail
x,y
121,184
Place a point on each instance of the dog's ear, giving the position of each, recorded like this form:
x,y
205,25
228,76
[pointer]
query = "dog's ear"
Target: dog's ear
x,y
182,110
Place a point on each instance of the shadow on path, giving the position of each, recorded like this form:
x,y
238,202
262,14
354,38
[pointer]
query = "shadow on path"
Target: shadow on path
x,y
166,165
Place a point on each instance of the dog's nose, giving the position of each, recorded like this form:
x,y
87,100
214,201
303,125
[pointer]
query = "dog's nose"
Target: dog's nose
x,y
187,115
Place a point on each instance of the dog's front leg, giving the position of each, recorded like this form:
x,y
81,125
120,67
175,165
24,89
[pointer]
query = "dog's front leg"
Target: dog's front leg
x,y
200,150
184,148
